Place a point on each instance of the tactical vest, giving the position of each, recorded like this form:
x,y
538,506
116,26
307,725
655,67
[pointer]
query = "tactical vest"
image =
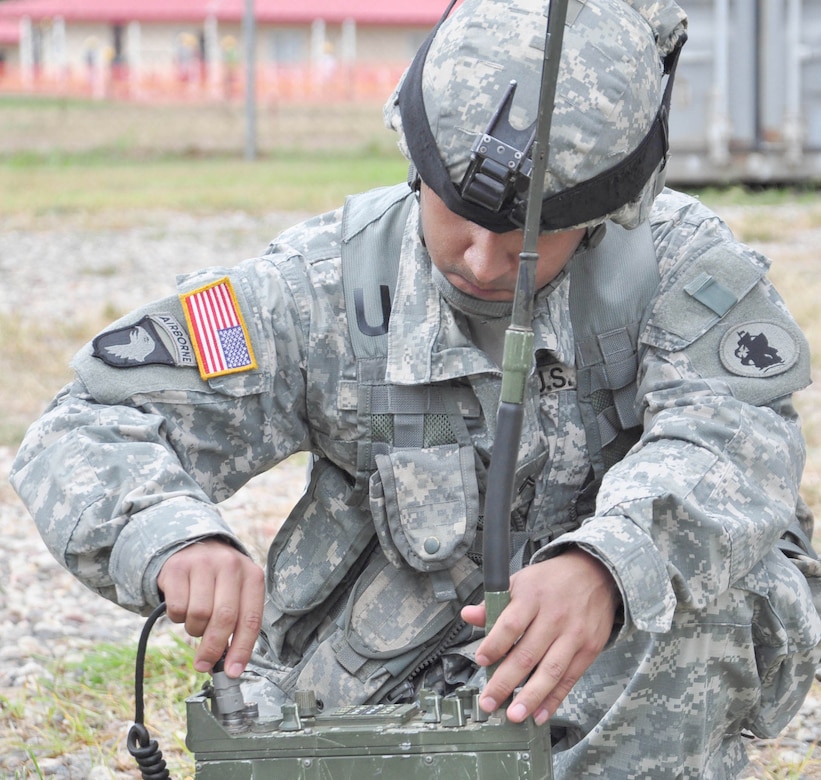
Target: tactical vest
x,y
367,576
611,286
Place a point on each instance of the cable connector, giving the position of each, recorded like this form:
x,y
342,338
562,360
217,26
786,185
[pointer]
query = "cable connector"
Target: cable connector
x,y
228,703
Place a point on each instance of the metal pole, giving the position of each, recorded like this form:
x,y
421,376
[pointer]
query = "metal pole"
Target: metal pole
x,y
249,34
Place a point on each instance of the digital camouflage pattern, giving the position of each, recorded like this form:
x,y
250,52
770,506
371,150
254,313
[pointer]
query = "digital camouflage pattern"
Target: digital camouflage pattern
x,y
128,464
719,634
608,94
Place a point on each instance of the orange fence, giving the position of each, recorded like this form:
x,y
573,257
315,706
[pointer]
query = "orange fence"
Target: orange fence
x,y
273,83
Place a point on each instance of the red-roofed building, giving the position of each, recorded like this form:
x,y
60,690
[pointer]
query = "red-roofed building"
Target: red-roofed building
x,y
366,12
334,47
9,39
9,32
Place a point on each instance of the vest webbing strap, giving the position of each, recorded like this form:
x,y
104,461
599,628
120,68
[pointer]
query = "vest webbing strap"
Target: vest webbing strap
x,y
611,286
370,260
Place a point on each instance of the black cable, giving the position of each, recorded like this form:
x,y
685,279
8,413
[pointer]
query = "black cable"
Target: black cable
x,y
145,750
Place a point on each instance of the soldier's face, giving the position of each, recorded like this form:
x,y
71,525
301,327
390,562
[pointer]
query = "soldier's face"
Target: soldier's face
x,y
482,263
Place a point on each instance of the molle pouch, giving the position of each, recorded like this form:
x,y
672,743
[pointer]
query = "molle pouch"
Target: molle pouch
x,y
393,611
425,505
314,554
393,627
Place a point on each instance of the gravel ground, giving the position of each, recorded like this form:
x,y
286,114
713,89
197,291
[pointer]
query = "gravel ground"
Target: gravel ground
x,y
88,272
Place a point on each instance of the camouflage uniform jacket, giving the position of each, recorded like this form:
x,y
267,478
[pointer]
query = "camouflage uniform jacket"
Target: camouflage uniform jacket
x,y
128,463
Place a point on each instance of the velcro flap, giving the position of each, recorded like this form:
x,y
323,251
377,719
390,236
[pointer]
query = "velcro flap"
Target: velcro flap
x,y
425,504
711,286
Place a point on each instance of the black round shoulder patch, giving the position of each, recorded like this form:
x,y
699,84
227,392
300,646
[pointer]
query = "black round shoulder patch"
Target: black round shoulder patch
x,y
758,349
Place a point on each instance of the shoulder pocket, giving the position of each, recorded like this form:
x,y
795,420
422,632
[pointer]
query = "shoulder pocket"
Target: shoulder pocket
x,y
731,324
701,295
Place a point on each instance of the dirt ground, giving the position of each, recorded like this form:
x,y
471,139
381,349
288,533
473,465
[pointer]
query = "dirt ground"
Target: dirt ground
x,y
71,126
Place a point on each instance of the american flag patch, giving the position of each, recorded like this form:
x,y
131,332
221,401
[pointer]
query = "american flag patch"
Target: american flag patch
x,y
217,330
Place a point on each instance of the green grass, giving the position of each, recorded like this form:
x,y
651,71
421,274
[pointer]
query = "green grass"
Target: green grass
x,y
58,184
98,159
739,195
41,102
85,703
103,182
95,158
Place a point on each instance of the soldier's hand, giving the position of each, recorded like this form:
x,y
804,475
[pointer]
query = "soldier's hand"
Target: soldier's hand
x,y
219,594
560,616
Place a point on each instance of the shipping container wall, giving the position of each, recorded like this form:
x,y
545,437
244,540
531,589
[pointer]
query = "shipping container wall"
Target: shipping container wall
x,y
747,98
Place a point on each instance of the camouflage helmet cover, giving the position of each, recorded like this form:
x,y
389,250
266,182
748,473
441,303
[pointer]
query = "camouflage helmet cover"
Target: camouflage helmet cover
x,y
608,98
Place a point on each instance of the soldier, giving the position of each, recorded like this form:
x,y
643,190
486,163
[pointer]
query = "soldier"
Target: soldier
x,y
661,605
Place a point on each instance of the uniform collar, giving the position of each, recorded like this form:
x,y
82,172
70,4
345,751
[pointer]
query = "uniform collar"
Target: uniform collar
x,y
427,339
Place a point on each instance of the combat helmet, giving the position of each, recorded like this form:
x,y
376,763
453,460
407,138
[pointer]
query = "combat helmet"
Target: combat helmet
x,y
466,110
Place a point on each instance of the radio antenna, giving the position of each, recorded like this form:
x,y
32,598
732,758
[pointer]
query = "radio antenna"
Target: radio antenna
x,y
518,345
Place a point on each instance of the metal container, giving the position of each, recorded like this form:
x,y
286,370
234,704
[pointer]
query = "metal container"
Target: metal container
x,y
747,101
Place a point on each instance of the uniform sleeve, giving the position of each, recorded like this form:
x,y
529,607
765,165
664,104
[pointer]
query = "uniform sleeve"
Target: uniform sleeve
x,y
127,464
713,483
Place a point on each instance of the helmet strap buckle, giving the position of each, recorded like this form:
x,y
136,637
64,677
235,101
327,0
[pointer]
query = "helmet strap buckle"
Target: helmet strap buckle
x,y
500,164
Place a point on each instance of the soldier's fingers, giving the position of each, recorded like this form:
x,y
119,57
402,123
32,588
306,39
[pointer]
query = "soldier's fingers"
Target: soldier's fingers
x,y
474,614
515,619
218,630
236,612
249,622
517,646
187,582
200,605
514,668
176,600
175,588
549,682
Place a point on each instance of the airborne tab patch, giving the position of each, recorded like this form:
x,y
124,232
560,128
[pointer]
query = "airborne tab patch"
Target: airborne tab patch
x,y
217,329
156,339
